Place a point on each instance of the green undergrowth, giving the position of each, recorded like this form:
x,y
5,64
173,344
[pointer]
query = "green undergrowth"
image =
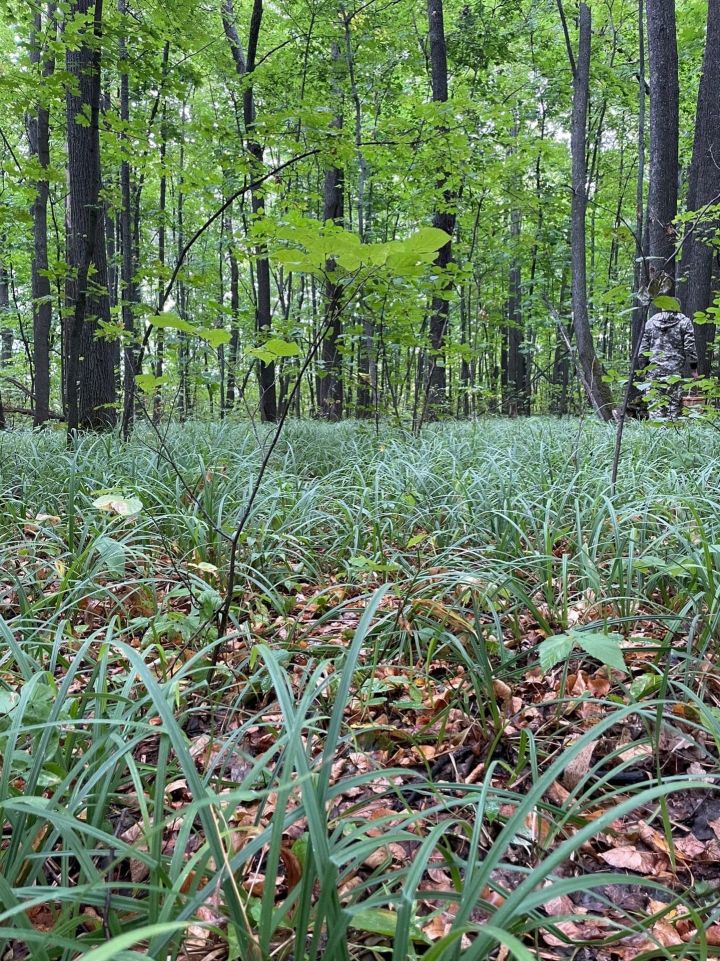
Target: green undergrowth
x,y
385,757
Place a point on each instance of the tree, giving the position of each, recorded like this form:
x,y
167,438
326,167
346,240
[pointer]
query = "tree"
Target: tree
x,y
245,66
38,131
90,367
591,369
128,293
696,269
330,384
664,113
443,219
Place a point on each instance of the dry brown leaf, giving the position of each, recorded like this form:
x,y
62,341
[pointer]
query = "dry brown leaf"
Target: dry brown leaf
x,y
715,827
712,935
502,690
41,917
560,905
292,865
630,858
438,926
591,930
689,848
653,838
383,854
665,934
558,794
579,766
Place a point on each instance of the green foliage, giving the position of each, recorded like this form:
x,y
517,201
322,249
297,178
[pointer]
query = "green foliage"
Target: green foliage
x,y
603,647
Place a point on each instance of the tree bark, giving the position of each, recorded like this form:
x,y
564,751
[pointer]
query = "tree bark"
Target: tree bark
x,y
330,385
704,189
664,113
235,311
38,130
90,373
516,396
128,293
444,218
640,278
6,333
161,243
244,67
597,390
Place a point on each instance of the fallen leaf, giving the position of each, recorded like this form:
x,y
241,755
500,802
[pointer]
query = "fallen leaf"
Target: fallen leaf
x,y
578,766
630,858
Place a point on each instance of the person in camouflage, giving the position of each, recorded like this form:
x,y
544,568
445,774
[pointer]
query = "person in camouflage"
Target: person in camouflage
x,y
668,344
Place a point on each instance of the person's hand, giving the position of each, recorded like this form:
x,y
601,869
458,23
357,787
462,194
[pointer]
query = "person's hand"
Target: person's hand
x,y
695,373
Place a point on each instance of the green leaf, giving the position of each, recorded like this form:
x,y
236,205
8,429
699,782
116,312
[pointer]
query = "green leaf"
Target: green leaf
x,y
603,647
667,303
274,348
117,504
427,240
110,951
148,383
293,259
113,554
215,336
555,649
375,921
174,322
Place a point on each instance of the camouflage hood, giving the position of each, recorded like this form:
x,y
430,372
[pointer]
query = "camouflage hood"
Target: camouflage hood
x,y
666,320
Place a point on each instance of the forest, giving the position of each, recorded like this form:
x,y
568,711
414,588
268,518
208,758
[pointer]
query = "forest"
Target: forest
x,y
359,498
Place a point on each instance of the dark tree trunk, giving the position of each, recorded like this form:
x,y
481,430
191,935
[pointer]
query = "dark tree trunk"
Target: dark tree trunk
x,y
6,333
367,364
128,294
664,112
90,370
596,389
515,379
703,190
444,218
38,129
162,240
330,385
244,67
235,320
185,398
640,278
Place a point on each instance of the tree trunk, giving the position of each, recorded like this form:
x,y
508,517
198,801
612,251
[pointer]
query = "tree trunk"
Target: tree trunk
x,y
38,130
639,275
128,294
185,398
330,385
703,190
90,372
516,397
597,390
235,311
444,218
367,366
162,239
6,333
664,108
244,67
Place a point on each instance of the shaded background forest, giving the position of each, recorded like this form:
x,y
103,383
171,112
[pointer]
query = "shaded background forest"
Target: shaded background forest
x,y
159,160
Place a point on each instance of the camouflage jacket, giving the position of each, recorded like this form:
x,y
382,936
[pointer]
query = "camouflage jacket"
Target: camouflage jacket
x,y
668,344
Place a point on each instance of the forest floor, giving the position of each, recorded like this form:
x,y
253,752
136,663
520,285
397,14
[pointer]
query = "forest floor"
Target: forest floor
x,y
467,706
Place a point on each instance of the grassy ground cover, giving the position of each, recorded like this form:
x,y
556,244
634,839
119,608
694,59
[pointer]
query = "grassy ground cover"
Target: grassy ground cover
x,y
466,707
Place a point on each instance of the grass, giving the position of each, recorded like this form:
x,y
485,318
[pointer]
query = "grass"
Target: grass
x,y
377,766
